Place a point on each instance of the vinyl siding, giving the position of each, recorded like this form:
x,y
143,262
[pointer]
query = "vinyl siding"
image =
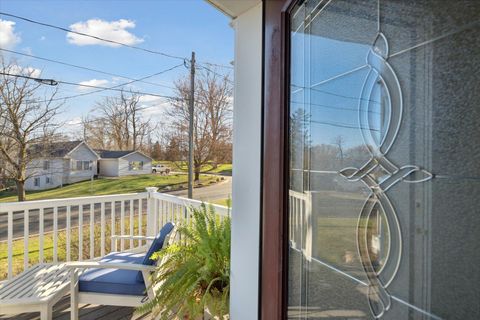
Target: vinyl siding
x,y
123,164
55,172
82,153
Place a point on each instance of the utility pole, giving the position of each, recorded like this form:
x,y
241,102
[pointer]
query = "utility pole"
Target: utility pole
x,y
190,127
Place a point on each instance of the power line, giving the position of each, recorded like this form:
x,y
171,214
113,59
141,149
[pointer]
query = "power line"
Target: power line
x,y
114,88
82,67
218,74
216,65
335,94
92,36
108,40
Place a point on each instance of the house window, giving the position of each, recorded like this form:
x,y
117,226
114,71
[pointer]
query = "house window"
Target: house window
x,y
46,165
135,165
36,182
82,165
48,180
87,165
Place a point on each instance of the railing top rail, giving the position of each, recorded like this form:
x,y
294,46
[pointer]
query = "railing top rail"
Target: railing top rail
x,y
219,209
51,203
300,195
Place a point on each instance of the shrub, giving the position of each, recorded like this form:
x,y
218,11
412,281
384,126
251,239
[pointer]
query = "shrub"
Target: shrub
x,y
194,275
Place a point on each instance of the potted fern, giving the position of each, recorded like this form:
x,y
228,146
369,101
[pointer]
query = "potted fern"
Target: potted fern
x,y
193,279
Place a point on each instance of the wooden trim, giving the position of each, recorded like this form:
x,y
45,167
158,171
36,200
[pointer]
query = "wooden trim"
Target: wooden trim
x,y
274,247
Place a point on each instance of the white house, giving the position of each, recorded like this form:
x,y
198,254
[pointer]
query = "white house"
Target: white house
x,y
61,163
123,163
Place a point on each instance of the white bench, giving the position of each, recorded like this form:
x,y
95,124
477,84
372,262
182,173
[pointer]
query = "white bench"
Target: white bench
x,y
35,290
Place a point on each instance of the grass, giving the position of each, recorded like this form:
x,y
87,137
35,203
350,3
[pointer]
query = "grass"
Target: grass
x,y
223,202
108,186
224,169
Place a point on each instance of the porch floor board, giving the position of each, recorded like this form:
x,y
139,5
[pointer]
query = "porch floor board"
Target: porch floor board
x,y
61,311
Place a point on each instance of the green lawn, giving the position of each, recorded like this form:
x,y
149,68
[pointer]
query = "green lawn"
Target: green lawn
x,y
107,186
225,168
223,202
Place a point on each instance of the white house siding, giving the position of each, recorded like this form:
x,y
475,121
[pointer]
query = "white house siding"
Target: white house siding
x,y
55,173
108,167
123,164
81,153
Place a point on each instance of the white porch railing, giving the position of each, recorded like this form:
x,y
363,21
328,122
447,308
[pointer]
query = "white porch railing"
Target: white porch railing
x,y
300,221
81,228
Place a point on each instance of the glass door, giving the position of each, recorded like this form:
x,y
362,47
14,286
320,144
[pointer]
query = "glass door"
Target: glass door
x,y
384,170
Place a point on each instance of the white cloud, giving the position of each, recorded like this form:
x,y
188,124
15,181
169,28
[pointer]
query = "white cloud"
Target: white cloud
x,y
77,121
150,99
114,30
149,111
8,37
26,71
93,82
42,38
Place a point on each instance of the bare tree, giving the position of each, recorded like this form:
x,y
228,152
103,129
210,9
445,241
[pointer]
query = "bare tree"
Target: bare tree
x,y
26,120
339,141
212,117
118,124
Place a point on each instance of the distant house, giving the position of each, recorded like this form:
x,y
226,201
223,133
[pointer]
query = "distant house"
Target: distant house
x,y
123,163
61,163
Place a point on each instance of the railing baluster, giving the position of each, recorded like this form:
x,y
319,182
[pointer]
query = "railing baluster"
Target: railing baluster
x,y
140,224
68,238
92,230
131,223
177,214
112,225
158,209
155,216
122,225
102,229
80,232
10,243
55,234
41,231
25,239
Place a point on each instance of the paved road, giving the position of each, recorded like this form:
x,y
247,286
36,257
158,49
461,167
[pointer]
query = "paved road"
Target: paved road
x,y
218,191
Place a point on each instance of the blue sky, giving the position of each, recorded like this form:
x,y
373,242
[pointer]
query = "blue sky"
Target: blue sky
x,y
172,26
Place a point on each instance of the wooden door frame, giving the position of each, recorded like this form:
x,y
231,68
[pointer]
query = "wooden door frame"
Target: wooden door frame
x,y
275,159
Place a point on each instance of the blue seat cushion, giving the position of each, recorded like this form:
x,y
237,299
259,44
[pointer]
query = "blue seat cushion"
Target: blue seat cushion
x,y
114,281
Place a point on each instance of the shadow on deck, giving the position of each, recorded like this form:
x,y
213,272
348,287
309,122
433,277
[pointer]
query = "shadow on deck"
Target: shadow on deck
x,y
61,311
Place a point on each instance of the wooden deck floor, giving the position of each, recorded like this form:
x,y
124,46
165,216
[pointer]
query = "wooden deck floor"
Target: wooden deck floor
x,y
61,311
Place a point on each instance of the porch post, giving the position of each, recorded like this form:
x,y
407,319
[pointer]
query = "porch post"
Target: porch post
x,y
151,232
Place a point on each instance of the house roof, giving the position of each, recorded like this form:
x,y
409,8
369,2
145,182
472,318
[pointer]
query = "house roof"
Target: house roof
x,y
55,149
115,154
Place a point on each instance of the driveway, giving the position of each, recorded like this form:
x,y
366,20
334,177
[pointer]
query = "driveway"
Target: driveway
x,y
218,191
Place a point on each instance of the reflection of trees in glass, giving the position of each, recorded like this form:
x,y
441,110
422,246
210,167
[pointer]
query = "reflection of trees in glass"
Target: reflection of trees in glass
x,y
336,156
339,141
299,145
